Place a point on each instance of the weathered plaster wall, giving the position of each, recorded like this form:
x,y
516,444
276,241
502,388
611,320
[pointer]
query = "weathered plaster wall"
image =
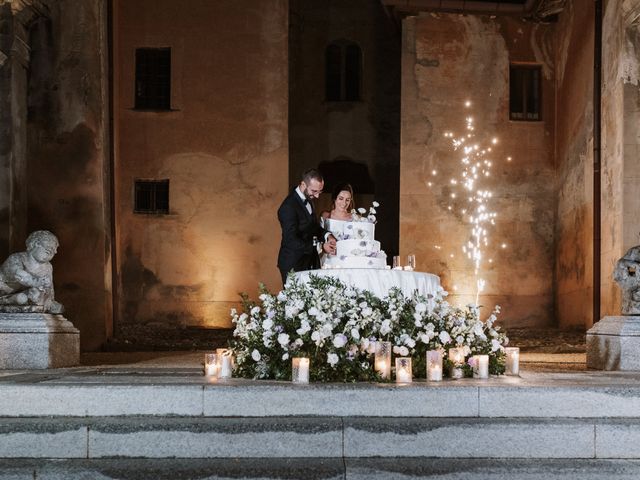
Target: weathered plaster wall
x,y
223,147
365,131
574,163
448,60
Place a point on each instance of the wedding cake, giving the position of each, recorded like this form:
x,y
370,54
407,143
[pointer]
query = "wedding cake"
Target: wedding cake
x,y
356,245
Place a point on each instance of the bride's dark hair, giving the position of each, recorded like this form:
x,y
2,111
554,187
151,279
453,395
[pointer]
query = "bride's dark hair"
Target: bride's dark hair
x,y
342,187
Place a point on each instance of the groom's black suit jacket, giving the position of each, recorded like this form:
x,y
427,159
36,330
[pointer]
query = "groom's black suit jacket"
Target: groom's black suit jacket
x,y
298,229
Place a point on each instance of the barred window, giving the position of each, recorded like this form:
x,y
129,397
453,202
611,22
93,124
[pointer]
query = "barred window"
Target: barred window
x,y
151,196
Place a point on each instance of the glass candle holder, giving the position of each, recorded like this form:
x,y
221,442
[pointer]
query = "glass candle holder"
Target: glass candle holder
x,y
222,351
481,366
512,362
411,261
403,370
434,365
397,263
456,356
211,365
300,370
382,359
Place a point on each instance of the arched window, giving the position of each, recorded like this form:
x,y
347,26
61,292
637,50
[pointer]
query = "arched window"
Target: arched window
x,y
343,70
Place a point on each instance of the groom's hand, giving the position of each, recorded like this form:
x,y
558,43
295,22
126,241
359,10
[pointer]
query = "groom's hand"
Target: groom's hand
x,y
330,245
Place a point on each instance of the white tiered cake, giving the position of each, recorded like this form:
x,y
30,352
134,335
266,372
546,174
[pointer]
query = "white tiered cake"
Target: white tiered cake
x,y
356,246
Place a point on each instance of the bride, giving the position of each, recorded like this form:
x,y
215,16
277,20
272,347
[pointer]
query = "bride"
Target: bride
x,y
336,219
341,204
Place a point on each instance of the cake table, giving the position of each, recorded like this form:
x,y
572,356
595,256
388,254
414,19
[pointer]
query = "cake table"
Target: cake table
x,y
379,281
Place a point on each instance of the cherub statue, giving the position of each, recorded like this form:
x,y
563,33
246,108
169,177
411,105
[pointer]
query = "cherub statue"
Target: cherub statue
x,y
26,278
627,275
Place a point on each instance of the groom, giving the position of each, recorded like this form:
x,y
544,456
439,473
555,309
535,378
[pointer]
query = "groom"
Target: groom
x,y
301,233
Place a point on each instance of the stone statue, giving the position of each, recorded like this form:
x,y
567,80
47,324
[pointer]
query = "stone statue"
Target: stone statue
x,y
26,278
627,275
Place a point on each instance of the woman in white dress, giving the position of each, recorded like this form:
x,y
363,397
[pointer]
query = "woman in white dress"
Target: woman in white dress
x,y
336,219
341,204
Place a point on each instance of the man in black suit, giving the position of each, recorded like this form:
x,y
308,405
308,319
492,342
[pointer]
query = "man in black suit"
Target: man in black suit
x,y
302,235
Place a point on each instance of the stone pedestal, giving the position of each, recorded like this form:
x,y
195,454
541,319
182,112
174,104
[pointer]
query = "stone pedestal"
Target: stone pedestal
x,y
37,341
614,343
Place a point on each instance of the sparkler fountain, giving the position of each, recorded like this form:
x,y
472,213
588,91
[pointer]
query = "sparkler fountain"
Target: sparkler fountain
x,y
474,202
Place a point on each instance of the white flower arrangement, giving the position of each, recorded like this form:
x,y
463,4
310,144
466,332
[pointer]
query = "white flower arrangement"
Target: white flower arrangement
x,y
361,214
336,325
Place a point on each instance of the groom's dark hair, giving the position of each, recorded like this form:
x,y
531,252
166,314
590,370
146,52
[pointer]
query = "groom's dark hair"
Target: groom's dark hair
x,y
312,174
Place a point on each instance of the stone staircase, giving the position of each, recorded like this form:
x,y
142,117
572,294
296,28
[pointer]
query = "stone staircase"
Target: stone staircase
x,y
90,420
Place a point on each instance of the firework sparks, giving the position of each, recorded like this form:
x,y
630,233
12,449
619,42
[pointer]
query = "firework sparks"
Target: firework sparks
x,y
475,165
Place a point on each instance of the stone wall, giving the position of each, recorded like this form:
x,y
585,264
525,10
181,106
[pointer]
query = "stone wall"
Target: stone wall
x,y
223,147
447,60
574,163
57,160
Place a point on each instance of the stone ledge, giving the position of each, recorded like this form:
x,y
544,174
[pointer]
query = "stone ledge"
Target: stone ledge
x,y
318,437
543,395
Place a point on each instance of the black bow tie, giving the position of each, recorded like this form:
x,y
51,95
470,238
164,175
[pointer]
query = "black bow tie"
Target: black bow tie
x,y
306,201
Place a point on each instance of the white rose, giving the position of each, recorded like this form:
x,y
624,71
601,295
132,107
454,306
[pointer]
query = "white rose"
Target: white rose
x,y
355,334
495,345
315,336
421,307
285,356
402,351
243,317
313,311
256,355
282,296
375,204
444,337
332,359
267,324
283,339
304,328
362,211
339,340
385,327
424,338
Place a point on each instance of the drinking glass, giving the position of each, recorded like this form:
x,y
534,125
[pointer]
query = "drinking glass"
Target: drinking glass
x,y
411,261
396,261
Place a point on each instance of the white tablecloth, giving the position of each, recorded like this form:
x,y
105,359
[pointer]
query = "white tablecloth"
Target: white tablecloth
x,y
377,281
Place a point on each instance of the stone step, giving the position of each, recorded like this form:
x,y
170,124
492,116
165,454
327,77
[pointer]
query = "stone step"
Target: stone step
x,y
320,469
319,437
71,394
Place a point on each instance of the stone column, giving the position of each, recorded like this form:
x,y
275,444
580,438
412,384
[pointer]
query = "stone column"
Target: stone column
x,y
15,18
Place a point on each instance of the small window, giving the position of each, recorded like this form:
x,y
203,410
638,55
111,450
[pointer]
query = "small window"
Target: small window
x,y
525,92
151,196
343,69
153,79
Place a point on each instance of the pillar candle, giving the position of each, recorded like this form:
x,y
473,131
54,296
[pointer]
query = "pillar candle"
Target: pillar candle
x,y
226,365
434,365
513,361
382,359
211,365
300,370
481,366
403,370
